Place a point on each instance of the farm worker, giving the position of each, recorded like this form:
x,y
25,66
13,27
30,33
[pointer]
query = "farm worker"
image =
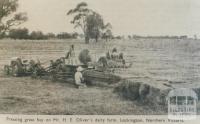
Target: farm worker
x,y
71,51
79,77
71,55
115,54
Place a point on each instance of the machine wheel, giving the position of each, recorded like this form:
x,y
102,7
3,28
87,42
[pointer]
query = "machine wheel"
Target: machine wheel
x,y
34,74
6,69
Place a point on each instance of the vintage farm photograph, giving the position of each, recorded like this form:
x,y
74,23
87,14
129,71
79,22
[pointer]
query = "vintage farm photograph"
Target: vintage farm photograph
x,y
98,57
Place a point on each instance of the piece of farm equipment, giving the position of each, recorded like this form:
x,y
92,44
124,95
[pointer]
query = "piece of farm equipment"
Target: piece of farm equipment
x,y
113,62
58,70
100,71
19,67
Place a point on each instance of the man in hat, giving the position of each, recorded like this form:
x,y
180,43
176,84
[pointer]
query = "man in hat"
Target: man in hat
x,y
79,77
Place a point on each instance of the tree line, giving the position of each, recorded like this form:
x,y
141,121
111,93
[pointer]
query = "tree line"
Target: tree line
x,y
157,37
23,33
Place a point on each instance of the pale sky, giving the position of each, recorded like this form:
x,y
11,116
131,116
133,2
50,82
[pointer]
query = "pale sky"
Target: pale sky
x,y
142,17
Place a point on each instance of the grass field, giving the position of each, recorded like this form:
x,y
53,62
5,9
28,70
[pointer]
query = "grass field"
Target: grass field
x,y
153,59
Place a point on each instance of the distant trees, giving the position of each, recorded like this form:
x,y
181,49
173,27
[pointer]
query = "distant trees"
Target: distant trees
x,y
66,35
37,35
91,23
50,35
107,32
19,33
8,17
119,37
160,37
23,33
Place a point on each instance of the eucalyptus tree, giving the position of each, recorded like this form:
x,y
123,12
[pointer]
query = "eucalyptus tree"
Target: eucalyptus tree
x,y
89,21
8,16
80,13
95,25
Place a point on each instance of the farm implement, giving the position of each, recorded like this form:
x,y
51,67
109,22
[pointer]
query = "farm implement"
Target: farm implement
x,y
57,71
19,67
60,69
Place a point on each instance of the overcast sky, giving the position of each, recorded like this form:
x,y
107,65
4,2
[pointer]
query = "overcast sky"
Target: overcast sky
x,y
143,17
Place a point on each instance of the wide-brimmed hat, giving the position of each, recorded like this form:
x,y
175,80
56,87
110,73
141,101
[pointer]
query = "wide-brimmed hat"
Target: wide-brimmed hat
x,y
79,69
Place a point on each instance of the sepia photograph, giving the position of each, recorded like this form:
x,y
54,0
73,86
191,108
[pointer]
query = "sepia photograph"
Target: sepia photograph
x,y
100,57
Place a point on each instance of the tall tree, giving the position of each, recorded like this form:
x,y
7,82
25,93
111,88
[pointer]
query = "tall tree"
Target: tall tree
x,y
8,15
95,25
80,13
91,23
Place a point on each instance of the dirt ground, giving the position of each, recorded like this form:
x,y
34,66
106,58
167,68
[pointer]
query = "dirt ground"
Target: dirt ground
x,y
168,60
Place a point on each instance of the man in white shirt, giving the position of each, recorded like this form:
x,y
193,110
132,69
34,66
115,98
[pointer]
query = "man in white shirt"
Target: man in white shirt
x,y
79,77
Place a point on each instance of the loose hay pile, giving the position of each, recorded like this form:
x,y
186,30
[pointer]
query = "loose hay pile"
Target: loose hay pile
x,y
142,92
150,92
84,56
